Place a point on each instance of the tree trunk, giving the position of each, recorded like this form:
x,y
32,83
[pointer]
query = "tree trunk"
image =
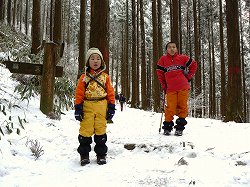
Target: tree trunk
x,y
36,27
223,69
197,54
99,28
57,29
175,21
159,17
144,94
26,17
9,12
82,39
156,84
1,10
243,67
133,96
14,14
234,99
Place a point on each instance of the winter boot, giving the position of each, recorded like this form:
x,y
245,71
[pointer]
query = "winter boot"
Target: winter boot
x,y
84,149
180,126
168,127
101,148
84,160
101,160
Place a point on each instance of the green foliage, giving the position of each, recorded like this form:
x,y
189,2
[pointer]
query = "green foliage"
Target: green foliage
x,y
28,87
64,94
7,126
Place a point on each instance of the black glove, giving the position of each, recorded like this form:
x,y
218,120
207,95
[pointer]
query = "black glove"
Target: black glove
x,y
79,112
111,111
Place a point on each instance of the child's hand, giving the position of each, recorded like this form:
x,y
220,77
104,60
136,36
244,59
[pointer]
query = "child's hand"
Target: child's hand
x,y
111,111
79,112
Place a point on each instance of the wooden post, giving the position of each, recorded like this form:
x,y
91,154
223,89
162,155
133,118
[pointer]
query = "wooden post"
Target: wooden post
x,y
48,78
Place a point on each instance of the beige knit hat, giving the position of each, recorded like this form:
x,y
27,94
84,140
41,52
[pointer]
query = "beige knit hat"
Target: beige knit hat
x,y
91,51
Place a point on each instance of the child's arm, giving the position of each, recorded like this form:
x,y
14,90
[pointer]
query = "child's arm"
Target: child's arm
x,y
110,91
161,74
80,90
191,69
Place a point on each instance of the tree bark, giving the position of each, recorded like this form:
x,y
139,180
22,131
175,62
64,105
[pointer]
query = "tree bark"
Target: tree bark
x,y
235,101
99,28
36,27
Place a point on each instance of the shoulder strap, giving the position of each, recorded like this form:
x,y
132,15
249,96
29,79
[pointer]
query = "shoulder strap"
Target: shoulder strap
x,y
189,62
94,79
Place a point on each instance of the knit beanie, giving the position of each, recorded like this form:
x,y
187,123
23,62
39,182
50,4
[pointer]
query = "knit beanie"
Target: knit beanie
x,y
91,51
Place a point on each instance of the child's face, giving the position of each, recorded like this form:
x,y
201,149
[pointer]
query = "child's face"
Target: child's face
x,y
171,49
95,61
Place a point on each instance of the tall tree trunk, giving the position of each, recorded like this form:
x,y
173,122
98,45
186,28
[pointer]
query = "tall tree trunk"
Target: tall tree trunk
x,y
210,78
36,26
138,82
52,8
223,68
213,73
99,27
197,56
235,101
20,14
57,29
242,65
26,17
14,14
180,30
133,100
126,51
9,12
144,94
175,28
156,84
1,10
82,39
159,17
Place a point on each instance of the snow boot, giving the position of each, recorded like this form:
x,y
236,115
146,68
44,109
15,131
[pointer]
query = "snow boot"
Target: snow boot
x,y
84,160
181,122
101,160
178,132
168,127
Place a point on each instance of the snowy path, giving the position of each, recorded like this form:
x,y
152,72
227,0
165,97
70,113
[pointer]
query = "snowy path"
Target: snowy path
x,y
206,155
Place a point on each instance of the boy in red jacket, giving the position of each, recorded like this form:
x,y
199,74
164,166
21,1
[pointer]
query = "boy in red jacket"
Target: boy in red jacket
x,y
174,71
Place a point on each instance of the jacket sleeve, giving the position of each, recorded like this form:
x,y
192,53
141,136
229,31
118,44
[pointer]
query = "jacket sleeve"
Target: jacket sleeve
x,y
161,74
192,67
80,90
110,91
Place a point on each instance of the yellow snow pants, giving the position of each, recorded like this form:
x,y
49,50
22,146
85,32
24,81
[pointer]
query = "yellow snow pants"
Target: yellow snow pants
x,y
176,104
94,120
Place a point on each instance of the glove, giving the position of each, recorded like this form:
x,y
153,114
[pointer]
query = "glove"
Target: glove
x,y
111,111
79,112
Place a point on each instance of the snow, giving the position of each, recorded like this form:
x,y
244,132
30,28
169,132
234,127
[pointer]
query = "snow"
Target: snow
x,y
210,152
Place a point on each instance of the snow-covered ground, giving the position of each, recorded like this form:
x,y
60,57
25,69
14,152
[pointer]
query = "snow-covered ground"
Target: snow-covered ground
x,y
210,153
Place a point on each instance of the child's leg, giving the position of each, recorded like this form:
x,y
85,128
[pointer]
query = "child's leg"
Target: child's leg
x,y
170,109
100,147
182,104
87,124
100,136
84,147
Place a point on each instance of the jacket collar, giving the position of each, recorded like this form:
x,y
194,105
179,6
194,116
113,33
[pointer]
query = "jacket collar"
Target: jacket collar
x,y
168,55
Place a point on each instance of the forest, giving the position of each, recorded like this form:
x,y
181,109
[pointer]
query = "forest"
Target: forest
x,y
132,35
